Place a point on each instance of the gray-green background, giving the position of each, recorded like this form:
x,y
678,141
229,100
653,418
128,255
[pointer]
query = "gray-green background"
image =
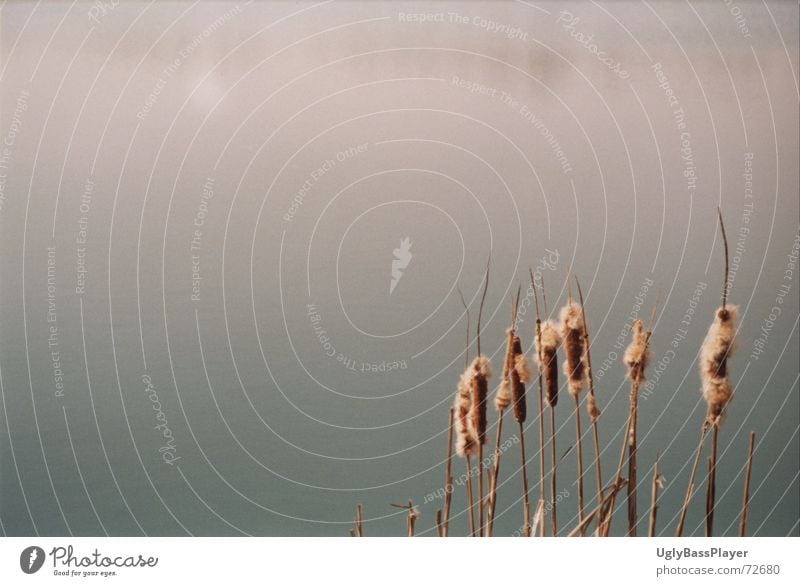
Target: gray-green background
x,y
495,128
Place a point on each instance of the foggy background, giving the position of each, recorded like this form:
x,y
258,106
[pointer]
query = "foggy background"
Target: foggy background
x,y
218,189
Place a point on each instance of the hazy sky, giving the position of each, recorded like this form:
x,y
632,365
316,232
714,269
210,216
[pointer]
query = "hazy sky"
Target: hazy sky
x,y
202,206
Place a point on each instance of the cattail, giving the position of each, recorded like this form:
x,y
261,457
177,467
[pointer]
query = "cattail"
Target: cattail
x,y
502,398
466,441
637,354
550,342
714,354
479,385
520,373
573,341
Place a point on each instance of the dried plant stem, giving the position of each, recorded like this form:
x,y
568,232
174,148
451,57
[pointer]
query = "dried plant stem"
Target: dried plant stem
x,y
609,511
542,495
579,443
526,505
481,508
470,500
359,526
493,476
448,477
554,467
594,414
690,488
598,510
632,449
651,531
411,518
746,495
712,480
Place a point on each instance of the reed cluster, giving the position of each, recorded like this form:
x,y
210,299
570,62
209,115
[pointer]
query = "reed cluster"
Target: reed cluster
x,y
468,421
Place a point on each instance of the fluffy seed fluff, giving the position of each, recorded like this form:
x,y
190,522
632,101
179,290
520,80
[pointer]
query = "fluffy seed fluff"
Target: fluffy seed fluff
x,y
572,334
481,371
502,398
714,355
517,384
637,354
466,441
522,367
550,341
591,407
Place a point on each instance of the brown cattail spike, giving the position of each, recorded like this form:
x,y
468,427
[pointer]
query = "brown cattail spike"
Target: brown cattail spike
x,y
466,440
479,385
519,374
574,346
550,342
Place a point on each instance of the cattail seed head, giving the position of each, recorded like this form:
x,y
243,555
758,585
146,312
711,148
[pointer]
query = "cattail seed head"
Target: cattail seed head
x,y
718,344
574,346
591,407
502,398
517,384
714,355
637,354
546,353
466,441
481,371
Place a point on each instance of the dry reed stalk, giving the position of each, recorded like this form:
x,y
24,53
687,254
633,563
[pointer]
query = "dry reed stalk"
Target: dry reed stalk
x,y
636,358
472,529
519,377
598,510
539,371
548,342
553,470
712,481
746,495
575,370
502,399
658,482
466,442
413,513
439,523
448,477
481,371
716,387
591,400
690,487
359,526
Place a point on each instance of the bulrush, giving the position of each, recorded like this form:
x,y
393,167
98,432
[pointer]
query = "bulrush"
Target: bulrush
x,y
466,439
480,371
716,389
636,357
716,349
548,349
547,342
520,374
574,344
